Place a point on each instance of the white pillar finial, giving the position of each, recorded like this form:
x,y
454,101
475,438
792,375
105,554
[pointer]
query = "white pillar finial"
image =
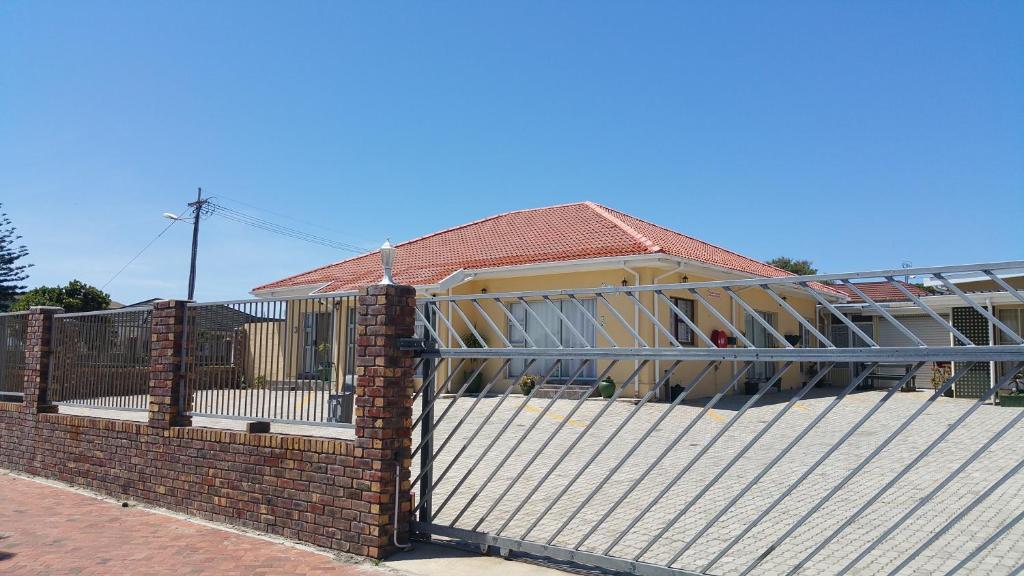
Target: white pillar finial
x,y
387,260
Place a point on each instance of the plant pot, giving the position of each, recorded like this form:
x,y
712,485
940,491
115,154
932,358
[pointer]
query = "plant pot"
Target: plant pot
x,y
675,391
606,388
1012,400
476,385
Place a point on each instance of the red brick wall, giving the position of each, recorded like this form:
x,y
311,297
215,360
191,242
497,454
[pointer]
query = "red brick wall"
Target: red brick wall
x,y
334,493
314,490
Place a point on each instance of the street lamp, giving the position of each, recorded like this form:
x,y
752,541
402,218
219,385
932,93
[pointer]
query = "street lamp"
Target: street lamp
x,y
387,260
197,208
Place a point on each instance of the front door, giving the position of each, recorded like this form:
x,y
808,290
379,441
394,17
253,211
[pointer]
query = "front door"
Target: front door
x,y
316,342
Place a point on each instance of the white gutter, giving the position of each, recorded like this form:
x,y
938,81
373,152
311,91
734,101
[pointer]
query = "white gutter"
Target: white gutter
x,y
289,291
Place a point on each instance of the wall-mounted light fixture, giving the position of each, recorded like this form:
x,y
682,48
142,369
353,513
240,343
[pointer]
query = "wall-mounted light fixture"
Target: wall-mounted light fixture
x,y
624,283
685,278
483,290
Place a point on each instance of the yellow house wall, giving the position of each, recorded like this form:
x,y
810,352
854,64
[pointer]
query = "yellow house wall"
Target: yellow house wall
x,y
264,351
647,330
275,349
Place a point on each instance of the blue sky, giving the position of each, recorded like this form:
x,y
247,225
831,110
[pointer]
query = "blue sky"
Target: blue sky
x,y
858,135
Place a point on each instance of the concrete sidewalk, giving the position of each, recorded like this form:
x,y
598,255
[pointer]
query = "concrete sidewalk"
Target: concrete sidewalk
x,y
48,528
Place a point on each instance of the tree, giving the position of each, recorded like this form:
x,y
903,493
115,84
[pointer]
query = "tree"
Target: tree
x,y
798,267
75,297
11,273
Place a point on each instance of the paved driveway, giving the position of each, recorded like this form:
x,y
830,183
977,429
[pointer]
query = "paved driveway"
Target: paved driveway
x,y
480,504
54,531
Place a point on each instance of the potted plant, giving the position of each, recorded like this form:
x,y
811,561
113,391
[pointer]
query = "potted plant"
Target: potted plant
x,y
607,387
527,384
1015,396
941,371
323,370
674,391
810,370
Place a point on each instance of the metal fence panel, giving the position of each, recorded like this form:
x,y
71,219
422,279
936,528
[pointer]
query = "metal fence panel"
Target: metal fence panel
x,y
13,328
793,443
101,359
284,360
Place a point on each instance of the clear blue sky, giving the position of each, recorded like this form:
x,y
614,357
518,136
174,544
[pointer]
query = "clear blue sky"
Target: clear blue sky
x,y
856,134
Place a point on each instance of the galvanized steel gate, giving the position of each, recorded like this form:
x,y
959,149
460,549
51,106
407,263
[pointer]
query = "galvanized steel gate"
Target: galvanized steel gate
x,y
706,470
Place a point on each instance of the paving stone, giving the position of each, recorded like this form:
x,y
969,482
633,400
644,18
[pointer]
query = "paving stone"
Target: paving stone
x,y
55,531
498,461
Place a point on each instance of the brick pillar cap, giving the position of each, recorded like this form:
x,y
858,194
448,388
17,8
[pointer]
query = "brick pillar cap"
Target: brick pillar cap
x,y
167,301
54,309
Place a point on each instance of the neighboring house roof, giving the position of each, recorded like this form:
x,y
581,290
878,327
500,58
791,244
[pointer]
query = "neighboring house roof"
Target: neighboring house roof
x,y
567,232
221,318
146,302
881,291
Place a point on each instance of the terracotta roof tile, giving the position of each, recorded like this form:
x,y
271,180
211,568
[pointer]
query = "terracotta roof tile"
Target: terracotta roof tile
x,y
556,233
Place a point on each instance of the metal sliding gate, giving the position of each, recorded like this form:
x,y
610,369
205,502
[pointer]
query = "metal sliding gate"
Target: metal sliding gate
x,y
688,428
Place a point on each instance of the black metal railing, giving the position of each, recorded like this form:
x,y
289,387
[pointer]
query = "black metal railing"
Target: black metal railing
x,y
101,359
283,360
13,328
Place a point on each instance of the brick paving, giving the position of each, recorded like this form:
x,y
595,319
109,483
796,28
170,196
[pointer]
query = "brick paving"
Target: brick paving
x,y
54,531
542,480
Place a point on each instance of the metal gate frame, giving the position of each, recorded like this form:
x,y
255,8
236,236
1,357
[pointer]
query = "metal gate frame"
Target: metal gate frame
x,y
442,316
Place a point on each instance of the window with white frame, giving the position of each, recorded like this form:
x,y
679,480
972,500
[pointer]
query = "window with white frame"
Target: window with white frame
x,y
547,329
680,329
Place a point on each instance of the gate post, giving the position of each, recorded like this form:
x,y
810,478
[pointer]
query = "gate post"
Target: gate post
x,y
37,359
383,412
166,378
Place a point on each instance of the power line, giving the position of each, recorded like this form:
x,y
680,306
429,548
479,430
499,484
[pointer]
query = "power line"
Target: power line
x,y
269,226
134,258
282,215
280,229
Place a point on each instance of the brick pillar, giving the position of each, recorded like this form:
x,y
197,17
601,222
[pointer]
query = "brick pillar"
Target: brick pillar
x,y
166,377
383,412
37,359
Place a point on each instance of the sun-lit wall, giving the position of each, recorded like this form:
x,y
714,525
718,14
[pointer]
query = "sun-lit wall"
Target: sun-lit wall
x,y
631,313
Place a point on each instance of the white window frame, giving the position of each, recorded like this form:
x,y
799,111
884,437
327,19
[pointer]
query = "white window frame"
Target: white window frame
x,y
678,325
525,319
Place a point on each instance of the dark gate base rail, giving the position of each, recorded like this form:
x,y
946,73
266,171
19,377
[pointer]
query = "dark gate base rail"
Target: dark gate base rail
x,y
556,552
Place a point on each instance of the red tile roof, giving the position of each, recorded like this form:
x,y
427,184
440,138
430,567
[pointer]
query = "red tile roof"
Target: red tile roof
x,y
881,291
552,234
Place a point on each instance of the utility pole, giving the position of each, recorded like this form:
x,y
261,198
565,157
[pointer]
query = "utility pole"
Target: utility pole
x,y
197,208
